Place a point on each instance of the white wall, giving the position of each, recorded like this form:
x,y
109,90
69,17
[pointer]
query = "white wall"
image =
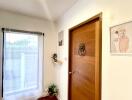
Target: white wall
x,y
116,70
16,21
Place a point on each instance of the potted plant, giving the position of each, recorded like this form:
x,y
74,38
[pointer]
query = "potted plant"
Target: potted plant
x,y
53,91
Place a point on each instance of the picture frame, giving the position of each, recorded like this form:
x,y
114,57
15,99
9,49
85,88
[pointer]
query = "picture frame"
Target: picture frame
x,y
61,38
121,39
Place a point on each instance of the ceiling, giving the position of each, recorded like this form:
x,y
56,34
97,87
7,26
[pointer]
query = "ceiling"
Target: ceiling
x,y
48,9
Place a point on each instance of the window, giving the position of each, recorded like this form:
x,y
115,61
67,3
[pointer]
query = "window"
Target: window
x,y
22,71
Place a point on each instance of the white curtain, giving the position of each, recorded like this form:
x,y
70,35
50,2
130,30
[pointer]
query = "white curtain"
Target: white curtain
x,y
23,64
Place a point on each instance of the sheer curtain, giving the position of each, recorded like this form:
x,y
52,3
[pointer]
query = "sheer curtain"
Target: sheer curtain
x,y
22,68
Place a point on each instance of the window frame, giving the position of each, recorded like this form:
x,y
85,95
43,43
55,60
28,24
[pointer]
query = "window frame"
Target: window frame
x,y
40,78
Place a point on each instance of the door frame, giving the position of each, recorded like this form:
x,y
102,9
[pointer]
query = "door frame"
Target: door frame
x,y
99,17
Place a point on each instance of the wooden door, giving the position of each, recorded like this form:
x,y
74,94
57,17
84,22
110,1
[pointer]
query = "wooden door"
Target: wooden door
x,y
85,60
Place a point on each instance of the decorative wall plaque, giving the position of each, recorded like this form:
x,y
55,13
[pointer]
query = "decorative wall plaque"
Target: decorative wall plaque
x,y
82,49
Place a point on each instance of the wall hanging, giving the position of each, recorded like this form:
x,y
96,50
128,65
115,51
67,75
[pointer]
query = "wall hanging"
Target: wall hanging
x,y
55,59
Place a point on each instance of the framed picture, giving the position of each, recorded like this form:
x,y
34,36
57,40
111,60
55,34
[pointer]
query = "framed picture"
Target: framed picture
x,y
121,38
61,38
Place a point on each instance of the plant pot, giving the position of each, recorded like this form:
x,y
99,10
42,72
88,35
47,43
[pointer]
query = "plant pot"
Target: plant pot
x,y
48,98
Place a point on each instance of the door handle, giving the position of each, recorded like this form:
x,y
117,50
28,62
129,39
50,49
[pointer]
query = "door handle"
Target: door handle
x,y
72,72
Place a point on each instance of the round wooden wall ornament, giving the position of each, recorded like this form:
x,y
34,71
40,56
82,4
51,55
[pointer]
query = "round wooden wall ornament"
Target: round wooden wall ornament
x,y
82,49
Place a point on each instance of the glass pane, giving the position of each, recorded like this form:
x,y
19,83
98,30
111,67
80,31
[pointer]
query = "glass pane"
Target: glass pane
x,y
20,62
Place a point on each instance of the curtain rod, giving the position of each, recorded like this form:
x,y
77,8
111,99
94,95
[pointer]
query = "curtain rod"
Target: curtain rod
x,y
15,30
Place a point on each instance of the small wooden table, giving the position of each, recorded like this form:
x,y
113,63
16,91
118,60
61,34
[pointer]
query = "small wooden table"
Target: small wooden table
x,y
48,98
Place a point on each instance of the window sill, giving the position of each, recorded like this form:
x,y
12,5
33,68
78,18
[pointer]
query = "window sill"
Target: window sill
x,y
21,90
